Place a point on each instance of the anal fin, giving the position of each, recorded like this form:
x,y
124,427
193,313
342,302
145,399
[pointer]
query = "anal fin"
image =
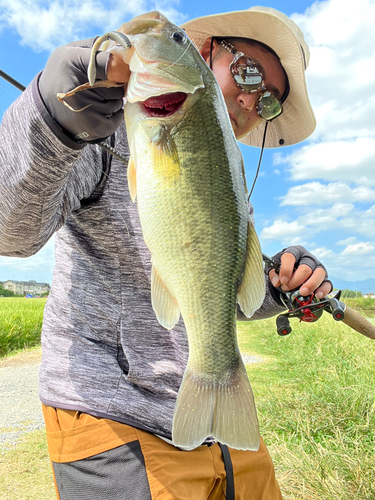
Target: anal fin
x,y
163,302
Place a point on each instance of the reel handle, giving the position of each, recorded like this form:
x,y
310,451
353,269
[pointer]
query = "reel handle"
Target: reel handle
x,y
283,325
337,309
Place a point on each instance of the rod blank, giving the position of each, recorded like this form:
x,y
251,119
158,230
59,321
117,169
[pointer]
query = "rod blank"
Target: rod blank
x,y
12,81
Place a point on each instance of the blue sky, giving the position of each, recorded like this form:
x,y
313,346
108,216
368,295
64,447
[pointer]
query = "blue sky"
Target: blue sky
x,y
320,193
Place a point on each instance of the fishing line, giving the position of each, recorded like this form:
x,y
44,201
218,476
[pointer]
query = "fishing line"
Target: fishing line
x,y
106,147
7,91
187,48
117,154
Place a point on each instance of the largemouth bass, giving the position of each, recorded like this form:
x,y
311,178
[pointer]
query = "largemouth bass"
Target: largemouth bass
x,y
187,173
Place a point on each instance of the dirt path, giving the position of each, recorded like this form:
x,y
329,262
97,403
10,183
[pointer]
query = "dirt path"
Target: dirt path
x,y
20,408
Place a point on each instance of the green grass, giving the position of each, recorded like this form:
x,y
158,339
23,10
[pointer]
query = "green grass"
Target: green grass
x,y
366,304
25,471
315,394
20,323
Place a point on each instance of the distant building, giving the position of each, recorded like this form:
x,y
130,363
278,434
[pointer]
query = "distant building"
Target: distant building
x,y
26,287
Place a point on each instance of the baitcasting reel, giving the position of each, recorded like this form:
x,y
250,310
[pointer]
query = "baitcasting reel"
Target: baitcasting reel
x,y
308,309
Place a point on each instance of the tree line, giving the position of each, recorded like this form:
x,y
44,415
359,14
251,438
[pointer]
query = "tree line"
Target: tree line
x,y
6,293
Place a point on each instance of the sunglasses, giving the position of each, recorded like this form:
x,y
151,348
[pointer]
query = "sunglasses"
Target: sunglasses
x,y
248,77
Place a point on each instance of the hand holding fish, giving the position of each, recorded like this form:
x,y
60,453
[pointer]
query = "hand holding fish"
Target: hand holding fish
x,y
300,269
207,258
66,69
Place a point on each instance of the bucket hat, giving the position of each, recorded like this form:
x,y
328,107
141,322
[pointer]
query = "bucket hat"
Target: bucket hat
x,y
275,29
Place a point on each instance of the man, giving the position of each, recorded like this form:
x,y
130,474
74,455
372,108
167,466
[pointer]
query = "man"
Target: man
x,y
110,373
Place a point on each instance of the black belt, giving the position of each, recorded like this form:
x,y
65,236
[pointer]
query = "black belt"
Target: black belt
x,y
229,471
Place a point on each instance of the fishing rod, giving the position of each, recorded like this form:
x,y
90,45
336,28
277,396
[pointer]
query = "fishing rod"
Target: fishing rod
x,y
12,81
309,309
103,145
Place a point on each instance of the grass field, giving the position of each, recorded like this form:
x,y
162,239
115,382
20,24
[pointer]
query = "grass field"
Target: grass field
x,y
362,303
25,471
315,394
20,323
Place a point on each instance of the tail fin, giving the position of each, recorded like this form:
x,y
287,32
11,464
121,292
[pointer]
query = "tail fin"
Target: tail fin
x,y
223,409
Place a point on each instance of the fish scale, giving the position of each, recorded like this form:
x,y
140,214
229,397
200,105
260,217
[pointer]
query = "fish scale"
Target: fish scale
x,y
213,222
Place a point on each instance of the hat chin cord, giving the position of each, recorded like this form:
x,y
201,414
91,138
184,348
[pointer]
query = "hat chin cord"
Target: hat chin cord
x,y
260,160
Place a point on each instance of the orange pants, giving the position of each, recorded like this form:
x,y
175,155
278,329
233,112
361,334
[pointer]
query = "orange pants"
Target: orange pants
x,y
100,458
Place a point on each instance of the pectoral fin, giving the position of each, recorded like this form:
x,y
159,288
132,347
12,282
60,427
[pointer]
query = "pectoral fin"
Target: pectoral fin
x,y
163,154
132,179
252,289
168,149
163,302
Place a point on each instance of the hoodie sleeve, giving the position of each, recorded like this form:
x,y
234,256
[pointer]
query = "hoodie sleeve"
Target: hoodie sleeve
x,y
44,175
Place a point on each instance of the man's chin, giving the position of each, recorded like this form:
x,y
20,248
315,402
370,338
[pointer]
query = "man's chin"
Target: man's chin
x,y
241,132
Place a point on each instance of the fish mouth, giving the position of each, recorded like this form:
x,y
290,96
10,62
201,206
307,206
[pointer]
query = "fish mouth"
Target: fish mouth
x,y
164,105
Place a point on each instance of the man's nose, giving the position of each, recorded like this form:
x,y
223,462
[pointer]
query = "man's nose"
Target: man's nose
x,y
247,101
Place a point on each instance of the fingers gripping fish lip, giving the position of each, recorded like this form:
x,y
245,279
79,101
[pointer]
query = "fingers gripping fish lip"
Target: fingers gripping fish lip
x,y
115,36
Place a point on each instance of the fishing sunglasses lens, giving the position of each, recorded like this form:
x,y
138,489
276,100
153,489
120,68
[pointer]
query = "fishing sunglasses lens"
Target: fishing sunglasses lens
x,y
268,106
246,75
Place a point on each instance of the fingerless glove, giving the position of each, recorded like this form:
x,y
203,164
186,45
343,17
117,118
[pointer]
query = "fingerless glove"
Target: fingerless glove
x,y
65,70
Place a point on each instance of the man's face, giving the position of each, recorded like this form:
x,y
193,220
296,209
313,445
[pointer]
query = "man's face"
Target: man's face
x,y
241,105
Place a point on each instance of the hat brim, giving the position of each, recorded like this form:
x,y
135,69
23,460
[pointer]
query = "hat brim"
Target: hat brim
x,y
297,122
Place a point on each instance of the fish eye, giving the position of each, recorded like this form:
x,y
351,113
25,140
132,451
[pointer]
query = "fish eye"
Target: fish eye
x,y
178,36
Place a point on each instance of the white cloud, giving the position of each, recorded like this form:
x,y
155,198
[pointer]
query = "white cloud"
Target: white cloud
x,y
315,193
341,82
288,233
279,228
358,249
334,23
351,161
346,265
323,253
343,217
348,241
45,25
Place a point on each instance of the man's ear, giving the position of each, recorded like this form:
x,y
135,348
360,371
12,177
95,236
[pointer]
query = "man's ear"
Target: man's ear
x,y
206,48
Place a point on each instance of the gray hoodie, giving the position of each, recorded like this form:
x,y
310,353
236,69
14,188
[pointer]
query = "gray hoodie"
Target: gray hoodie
x,y
104,352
